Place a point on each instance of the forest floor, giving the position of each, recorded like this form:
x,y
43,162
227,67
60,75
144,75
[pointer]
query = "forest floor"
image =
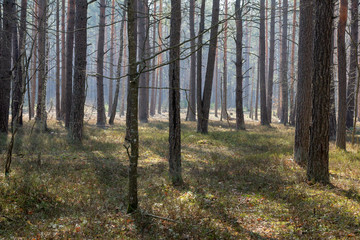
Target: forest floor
x,y
238,185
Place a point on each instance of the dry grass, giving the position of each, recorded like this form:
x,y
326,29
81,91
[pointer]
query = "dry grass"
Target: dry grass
x,y
238,185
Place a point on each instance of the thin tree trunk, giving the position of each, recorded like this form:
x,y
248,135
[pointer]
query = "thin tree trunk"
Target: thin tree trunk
x,y
224,113
78,99
123,85
69,60
240,122
112,49
318,164
284,66
192,104
160,57
341,127
199,66
101,117
174,95
118,73
63,62
332,117
305,70
203,117
279,105
132,132
353,63
271,61
34,63
216,83
263,117
257,89
57,77
154,73
292,71
251,114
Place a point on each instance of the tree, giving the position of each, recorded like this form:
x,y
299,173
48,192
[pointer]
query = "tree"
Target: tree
x,y
204,109
240,123
271,61
40,108
143,40
353,63
159,71
199,63
112,36
341,127
305,69
132,131
79,95
224,113
154,73
174,94
118,73
63,62
101,118
292,71
69,60
318,164
264,115
5,66
192,103
34,63
284,66
57,78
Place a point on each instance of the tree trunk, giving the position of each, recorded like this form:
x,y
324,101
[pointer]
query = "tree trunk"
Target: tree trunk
x,y
57,76
341,127
353,63
40,108
69,60
160,57
192,104
292,71
224,113
63,62
101,118
271,61
199,66
123,85
264,116
132,131
174,94
305,70
216,83
143,38
318,164
257,89
203,114
279,102
5,66
154,73
112,46
240,122
118,73
284,66
79,94
332,117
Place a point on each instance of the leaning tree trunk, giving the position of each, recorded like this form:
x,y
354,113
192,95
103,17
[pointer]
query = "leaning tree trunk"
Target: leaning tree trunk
x,y
174,94
132,131
101,117
303,96
79,94
342,106
69,60
353,63
240,122
264,115
318,164
203,118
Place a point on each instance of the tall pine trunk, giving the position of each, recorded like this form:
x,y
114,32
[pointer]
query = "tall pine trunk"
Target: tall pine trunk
x,y
264,116
271,61
284,66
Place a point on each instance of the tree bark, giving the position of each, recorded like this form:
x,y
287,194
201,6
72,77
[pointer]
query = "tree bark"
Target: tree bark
x,y
160,57
132,132
34,64
292,71
174,95
69,60
353,63
305,70
57,76
318,164
224,113
341,127
154,73
63,62
199,66
264,115
240,122
271,61
101,117
79,95
284,66
203,114
112,49
192,104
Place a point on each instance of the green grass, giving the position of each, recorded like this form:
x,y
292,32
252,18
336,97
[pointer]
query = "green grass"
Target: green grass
x,y
238,185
